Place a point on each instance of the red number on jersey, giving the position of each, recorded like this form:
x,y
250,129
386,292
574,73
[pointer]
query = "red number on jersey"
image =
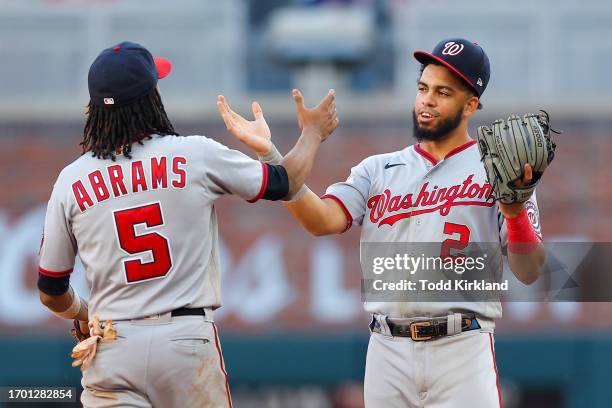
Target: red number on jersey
x,y
450,243
133,244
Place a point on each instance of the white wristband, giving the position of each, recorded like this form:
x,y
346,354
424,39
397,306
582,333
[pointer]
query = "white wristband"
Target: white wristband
x,y
73,310
273,156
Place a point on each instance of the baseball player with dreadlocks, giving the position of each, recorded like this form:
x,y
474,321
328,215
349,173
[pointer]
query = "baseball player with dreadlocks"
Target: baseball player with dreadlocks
x,y
137,207
437,354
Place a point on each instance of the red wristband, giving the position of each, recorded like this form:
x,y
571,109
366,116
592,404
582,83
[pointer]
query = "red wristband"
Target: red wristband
x,y
521,236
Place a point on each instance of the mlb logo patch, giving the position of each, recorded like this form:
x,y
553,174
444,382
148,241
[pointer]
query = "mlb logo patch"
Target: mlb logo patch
x,y
109,101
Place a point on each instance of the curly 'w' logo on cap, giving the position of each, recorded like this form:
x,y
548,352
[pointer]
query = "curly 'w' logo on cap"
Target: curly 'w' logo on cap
x,y
452,48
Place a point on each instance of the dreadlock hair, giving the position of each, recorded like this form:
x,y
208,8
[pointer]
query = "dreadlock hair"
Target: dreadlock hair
x,y
110,130
468,88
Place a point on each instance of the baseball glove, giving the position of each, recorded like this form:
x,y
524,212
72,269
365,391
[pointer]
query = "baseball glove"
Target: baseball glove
x,y
508,146
84,352
77,333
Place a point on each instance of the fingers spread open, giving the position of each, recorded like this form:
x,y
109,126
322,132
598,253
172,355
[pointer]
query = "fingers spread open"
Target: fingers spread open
x,y
234,115
233,121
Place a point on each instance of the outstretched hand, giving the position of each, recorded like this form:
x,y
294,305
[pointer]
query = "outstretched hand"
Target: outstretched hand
x,y
323,118
254,133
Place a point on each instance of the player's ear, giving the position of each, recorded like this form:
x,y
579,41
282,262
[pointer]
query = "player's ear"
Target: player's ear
x,y
471,105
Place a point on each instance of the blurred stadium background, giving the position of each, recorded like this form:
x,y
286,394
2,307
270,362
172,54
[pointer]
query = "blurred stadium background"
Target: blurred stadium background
x,y
293,330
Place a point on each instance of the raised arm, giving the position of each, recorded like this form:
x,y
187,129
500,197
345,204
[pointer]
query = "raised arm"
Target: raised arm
x,y
318,124
318,216
526,254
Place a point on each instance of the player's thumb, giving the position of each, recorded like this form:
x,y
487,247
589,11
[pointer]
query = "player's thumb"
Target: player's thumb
x,y
329,98
257,112
298,99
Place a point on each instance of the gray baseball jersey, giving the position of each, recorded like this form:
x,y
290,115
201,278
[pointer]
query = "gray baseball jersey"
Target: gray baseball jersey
x,y
145,228
407,196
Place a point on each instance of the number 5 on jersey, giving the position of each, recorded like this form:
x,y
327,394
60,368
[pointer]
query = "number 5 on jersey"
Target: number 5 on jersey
x,y
126,221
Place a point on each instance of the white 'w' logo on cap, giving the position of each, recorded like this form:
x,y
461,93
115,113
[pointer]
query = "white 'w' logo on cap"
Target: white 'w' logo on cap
x,y
452,48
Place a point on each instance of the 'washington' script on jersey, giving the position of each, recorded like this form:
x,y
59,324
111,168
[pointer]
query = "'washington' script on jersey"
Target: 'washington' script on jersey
x,y
436,199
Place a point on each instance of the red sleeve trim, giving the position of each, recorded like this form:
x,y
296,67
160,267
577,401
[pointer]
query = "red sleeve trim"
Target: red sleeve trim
x,y
349,218
52,274
264,183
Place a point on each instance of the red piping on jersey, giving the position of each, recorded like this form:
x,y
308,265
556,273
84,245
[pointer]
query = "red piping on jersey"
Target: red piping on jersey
x,y
349,217
460,148
52,274
454,151
496,372
264,183
425,154
222,364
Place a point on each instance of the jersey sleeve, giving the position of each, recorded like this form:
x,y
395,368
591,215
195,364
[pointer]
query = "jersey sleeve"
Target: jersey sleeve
x,y
58,247
352,194
533,213
229,171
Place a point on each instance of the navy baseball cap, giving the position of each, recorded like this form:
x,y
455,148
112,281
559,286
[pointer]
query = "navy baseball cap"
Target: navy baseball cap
x,y
124,73
465,58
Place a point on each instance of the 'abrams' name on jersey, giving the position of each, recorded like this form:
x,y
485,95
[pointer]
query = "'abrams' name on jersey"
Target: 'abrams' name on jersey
x,y
117,178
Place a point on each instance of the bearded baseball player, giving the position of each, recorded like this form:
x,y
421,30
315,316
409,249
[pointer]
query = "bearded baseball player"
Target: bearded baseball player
x,y
138,208
435,354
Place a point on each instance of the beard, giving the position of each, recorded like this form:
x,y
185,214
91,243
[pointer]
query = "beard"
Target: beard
x,y
445,126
